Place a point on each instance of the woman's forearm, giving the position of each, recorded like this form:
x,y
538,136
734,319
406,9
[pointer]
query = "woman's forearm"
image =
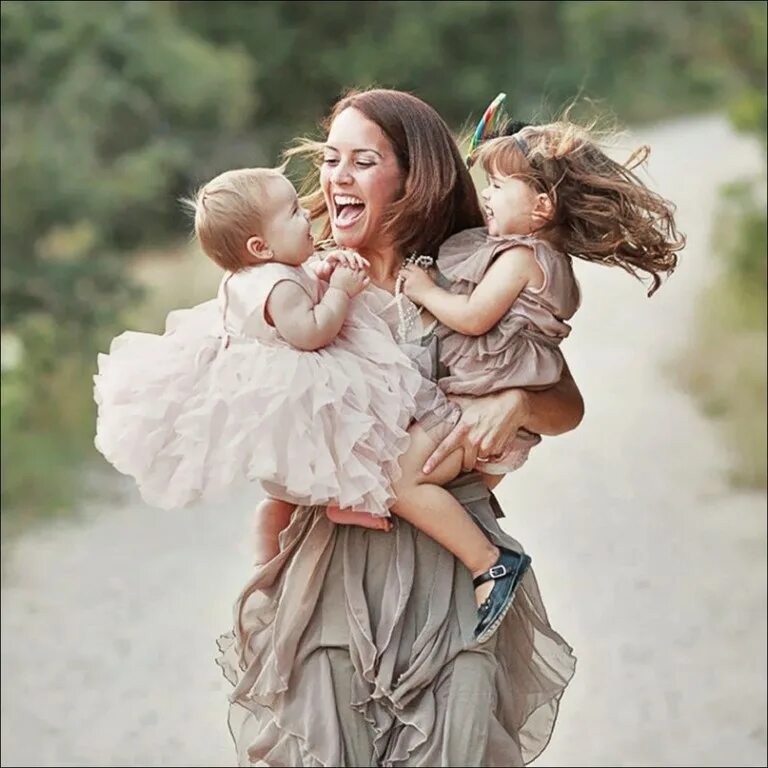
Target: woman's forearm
x,y
555,410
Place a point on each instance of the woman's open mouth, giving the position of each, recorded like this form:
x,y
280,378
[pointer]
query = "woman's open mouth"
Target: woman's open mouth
x,y
347,211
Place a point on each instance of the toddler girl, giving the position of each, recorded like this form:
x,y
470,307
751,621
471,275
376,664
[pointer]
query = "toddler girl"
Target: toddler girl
x,y
551,194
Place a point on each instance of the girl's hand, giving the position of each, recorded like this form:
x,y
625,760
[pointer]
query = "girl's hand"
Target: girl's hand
x,y
417,282
351,281
485,429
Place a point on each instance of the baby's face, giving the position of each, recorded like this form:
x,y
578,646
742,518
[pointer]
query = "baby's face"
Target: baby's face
x,y
508,204
287,229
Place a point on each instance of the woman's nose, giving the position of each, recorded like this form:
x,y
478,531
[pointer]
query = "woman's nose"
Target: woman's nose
x,y
341,174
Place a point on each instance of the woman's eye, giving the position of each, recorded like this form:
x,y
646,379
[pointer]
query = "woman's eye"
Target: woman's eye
x,y
364,163
330,160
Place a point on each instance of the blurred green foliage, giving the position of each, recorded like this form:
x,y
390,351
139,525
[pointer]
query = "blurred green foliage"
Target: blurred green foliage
x,y
726,365
112,110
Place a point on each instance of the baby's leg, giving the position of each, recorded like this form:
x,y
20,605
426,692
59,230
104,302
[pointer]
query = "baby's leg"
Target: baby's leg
x,y
348,517
433,510
272,516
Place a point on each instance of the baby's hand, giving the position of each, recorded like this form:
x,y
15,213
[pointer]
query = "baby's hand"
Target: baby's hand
x,y
346,258
417,282
351,281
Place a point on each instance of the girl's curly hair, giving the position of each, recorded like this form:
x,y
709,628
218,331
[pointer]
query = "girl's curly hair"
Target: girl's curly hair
x,y
602,211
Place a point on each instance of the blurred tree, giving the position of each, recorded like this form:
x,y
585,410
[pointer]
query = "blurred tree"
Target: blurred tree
x,y
106,107
111,110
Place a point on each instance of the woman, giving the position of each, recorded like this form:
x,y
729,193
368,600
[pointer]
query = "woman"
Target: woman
x,y
350,647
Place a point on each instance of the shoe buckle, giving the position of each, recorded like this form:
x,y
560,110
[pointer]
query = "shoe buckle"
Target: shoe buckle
x,y
497,571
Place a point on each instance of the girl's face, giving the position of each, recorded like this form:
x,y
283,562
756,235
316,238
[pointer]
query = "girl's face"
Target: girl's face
x,y
286,225
510,206
360,177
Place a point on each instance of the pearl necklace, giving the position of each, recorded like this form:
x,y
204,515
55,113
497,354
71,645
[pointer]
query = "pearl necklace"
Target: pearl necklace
x,y
406,321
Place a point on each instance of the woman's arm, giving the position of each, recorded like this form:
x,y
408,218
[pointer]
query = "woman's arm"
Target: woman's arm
x,y
552,411
488,423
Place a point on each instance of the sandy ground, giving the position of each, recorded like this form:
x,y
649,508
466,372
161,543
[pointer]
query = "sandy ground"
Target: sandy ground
x,y
650,566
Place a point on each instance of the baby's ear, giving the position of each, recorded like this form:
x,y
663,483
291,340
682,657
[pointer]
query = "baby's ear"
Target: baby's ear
x,y
258,248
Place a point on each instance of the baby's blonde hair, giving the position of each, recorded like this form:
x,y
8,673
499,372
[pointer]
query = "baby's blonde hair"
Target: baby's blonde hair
x,y
229,210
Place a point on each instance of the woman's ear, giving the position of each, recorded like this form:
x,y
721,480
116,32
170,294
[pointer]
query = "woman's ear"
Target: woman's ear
x,y
544,209
258,248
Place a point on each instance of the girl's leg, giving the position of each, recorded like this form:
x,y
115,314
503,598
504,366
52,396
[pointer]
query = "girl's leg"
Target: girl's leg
x,y
423,503
272,516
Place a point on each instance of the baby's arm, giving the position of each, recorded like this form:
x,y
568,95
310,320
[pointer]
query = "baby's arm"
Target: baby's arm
x,y
309,326
477,313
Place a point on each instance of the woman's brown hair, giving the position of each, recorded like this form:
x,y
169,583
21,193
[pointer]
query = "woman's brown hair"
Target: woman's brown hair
x,y
438,197
601,210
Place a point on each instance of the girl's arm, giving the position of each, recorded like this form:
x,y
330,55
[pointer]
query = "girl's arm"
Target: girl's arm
x,y
477,313
309,326
488,423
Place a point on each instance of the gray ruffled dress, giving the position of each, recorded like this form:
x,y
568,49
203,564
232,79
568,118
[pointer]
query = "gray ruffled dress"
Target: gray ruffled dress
x,y
353,647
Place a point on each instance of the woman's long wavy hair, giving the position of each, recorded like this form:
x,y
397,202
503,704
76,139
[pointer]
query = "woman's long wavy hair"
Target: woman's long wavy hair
x,y
602,211
437,198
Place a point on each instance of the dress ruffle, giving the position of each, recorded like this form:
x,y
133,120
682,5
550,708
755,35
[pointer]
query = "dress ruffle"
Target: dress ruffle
x,y
190,417
522,349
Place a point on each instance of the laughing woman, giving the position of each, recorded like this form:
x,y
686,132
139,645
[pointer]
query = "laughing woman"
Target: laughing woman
x,y
352,647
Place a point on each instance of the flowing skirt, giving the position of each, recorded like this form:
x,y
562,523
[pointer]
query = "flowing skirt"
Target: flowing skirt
x,y
352,648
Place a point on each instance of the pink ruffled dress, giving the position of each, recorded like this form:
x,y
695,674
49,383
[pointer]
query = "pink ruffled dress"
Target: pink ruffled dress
x,y
523,348
221,398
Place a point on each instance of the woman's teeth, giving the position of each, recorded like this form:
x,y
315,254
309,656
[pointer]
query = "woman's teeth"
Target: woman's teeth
x,y
348,209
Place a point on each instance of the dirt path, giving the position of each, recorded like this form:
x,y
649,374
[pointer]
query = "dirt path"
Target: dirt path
x,y
649,565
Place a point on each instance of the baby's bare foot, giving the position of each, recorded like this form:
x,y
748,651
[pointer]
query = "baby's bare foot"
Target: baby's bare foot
x,y
349,517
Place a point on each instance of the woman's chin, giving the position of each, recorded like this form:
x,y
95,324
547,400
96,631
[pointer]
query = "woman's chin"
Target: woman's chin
x,y
348,238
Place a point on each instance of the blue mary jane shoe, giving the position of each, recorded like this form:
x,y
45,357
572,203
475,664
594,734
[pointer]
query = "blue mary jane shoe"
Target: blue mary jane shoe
x,y
507,572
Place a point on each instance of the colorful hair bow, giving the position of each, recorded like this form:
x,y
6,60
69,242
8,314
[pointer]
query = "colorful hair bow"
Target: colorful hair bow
x,y
485,126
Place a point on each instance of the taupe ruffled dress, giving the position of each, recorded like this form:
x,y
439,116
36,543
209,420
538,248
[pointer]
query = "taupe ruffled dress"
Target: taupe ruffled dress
x,y
353,648
523,348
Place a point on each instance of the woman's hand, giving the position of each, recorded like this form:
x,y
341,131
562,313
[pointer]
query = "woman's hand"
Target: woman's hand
x,y
488,423
485,429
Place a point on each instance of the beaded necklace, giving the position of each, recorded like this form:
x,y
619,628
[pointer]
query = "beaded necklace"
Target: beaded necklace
x,y
406,321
